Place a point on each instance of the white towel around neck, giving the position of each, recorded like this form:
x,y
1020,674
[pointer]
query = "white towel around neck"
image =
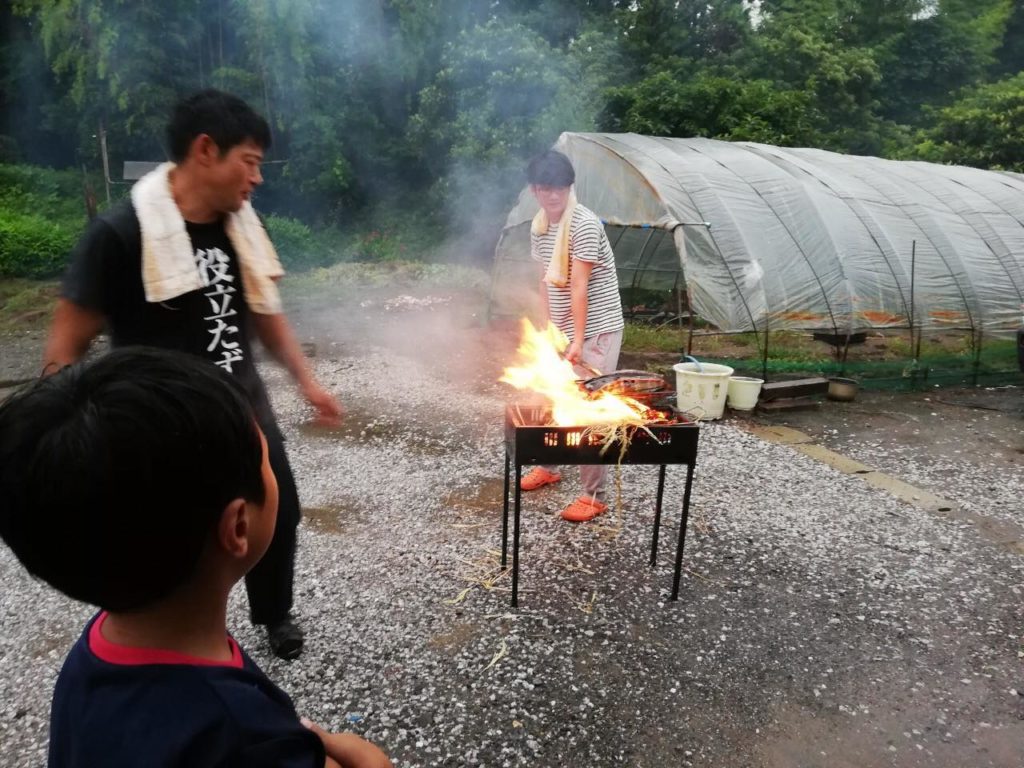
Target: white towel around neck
x,y
168,258
558,268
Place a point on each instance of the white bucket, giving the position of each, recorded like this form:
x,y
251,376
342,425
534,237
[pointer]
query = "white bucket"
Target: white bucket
x,y
702,393
743,392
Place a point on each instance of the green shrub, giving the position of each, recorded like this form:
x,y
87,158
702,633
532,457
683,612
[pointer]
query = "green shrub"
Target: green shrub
x,y
377,246
33,246
299,247
42,214
45,192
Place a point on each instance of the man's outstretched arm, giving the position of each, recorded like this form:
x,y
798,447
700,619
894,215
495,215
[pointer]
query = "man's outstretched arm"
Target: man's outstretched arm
x,y
277,336
73,329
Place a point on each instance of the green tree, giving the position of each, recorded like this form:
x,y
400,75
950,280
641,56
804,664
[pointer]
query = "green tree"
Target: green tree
x,y
984,129
502,93
851,22
424,105
557,21
927,64
840,82
654,32
982,22
1010,53
115,80
715,106
27,128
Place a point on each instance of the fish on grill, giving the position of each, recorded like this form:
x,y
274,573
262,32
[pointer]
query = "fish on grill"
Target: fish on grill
x,y
628,382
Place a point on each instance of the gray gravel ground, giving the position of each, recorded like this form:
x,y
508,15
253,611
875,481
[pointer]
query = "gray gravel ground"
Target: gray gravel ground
x,y
822,622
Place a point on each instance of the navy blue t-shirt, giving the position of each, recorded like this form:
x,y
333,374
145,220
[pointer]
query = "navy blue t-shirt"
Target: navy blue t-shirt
x,y
120,707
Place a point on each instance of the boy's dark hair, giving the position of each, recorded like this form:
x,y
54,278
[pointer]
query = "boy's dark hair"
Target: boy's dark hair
x,y
551,169
114,474
224,118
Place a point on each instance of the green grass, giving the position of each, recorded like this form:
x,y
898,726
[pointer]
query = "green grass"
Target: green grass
x,y
899,346
644,338
638,337
885,362
391,273
26,304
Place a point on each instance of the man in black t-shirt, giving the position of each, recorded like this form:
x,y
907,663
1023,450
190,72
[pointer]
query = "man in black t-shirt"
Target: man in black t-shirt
x,y
186,265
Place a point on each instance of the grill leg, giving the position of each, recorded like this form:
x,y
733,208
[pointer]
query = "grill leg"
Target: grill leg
x,y
657,515
515,540
682,531
504,513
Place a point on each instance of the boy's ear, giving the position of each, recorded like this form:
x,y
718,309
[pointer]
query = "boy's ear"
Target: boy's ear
x,y
233,529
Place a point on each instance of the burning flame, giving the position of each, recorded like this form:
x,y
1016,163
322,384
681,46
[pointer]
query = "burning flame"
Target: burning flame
x,y
544,370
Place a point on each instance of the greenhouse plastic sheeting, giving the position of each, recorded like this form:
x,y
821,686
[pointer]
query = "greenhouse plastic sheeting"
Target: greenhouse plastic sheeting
x,y
769,237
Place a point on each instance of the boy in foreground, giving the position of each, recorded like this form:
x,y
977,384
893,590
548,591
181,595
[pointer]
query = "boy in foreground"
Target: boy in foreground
x,y
141,484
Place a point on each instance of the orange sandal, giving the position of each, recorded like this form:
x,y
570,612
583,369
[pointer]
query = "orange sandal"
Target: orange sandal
x,y
538,477
583,509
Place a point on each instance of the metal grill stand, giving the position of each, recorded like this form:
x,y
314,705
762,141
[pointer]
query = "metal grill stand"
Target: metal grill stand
x,y
528,442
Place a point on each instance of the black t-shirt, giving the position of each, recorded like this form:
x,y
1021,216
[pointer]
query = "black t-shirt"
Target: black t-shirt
x,y
105,274
158,709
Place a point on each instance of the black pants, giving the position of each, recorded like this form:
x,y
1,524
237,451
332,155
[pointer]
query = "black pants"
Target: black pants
x,y
269,584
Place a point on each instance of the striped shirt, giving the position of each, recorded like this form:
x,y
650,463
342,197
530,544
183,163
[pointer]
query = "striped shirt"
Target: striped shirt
x,y
587,242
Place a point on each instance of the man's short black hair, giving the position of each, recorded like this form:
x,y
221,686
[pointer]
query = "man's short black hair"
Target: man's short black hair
x,y
551,169
114,474
225,118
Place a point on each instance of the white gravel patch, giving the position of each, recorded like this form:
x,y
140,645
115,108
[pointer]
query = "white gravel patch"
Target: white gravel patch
x,y
806,594
989,489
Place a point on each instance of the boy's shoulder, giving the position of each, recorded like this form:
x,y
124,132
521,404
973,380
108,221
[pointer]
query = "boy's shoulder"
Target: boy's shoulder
x,y
178,714
583,217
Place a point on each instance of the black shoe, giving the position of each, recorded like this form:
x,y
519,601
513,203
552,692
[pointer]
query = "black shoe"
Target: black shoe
x,y
285,639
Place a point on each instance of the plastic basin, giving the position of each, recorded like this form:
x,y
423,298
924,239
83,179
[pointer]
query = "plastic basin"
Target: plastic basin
x,y
701,393
743,392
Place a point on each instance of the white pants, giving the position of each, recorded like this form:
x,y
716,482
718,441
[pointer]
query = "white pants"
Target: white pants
x,y
600,352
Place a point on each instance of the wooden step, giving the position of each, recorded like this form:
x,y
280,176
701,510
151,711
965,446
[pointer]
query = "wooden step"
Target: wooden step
x,y
788,404
795,388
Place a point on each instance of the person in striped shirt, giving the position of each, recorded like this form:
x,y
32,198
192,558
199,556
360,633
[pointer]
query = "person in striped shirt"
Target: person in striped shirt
x,y
579,292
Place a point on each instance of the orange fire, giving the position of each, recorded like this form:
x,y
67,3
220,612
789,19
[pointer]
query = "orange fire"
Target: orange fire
x,y
542,369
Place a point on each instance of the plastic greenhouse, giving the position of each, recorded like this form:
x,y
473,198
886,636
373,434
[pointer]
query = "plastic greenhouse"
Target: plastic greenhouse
x,y
761,238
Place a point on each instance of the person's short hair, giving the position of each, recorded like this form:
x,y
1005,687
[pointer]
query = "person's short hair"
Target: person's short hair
x,y
551,169
225,118
114,474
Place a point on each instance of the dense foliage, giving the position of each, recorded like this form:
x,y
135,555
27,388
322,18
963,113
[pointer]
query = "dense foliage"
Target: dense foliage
x,y
41,215
415,116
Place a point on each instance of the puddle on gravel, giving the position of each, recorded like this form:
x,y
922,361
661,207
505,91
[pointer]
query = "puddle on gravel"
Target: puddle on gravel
x,y
358,424
483,499
454,640
335,518
371,426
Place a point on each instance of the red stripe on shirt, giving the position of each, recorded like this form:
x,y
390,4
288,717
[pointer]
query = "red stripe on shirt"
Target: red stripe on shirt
x,y
113,653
